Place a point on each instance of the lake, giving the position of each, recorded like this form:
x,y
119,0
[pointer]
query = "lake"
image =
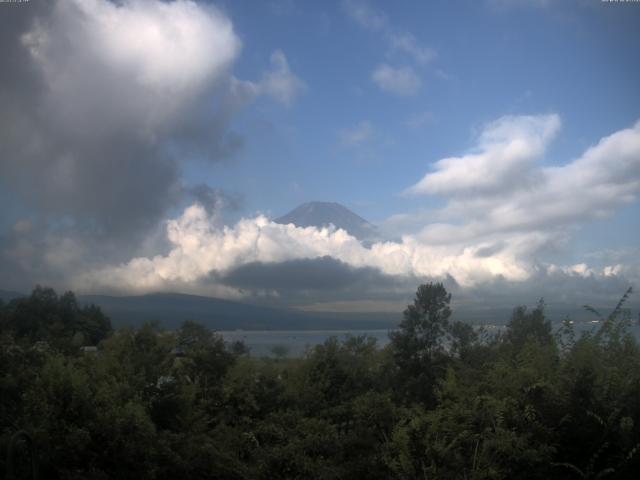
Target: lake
x,y
295,342
262,342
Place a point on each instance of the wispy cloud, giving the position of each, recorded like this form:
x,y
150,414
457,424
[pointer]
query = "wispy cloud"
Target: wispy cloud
x,y
366,16
398,40
419,120
403,81
281,83
407,43
361,133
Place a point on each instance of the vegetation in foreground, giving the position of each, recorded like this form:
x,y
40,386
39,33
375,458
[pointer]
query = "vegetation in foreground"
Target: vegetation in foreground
x,y
440,401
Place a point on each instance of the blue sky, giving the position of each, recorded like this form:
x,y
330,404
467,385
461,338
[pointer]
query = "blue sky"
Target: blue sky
x,y
149,143
577,59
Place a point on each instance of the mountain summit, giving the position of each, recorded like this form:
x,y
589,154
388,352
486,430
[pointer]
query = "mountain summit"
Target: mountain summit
x,y
323,214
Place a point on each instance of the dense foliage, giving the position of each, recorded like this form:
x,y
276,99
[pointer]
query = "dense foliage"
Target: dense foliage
x,y
440,401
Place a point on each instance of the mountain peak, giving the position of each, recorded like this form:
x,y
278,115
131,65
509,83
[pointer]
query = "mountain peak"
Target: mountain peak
x,y
322,214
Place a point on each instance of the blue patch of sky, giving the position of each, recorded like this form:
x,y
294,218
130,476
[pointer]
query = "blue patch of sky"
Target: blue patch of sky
x,y
577,59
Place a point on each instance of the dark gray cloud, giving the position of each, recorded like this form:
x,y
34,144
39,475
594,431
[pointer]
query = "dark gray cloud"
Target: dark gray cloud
x,y
321,278
563,293
215,199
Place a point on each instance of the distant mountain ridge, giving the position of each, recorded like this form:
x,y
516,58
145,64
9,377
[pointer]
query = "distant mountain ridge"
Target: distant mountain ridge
x,y
323,214
171,309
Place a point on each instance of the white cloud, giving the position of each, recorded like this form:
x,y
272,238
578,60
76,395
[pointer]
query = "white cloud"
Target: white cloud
x,y
201,249
144,64
154,56
357,135
501,161
400,81
500,195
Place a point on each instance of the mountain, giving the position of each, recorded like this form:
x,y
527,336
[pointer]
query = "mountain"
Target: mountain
x,y
171,309
322,214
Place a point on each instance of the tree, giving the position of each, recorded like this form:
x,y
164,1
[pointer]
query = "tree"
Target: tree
x,y
528,326
207,359
418,345
59,320
463,337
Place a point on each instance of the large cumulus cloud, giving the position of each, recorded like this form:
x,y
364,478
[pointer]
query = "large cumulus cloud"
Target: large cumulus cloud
x,y
101,105
201,246
108,85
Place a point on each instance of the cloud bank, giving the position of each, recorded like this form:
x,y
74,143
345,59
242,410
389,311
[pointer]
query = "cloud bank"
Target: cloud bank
x,y
201,247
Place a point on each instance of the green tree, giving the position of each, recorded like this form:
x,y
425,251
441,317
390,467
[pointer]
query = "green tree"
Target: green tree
x,y
419,344
59,320
528,326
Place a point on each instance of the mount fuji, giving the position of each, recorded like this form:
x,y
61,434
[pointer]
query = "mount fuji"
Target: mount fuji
x,y
323,214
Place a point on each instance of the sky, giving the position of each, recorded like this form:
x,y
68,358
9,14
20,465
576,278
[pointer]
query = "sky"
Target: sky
x,y
146,146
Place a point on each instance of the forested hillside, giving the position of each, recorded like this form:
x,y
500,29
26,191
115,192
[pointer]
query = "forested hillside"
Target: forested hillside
x,y
440,401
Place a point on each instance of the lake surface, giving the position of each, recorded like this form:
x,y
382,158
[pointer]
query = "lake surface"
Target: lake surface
x,y
295,342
